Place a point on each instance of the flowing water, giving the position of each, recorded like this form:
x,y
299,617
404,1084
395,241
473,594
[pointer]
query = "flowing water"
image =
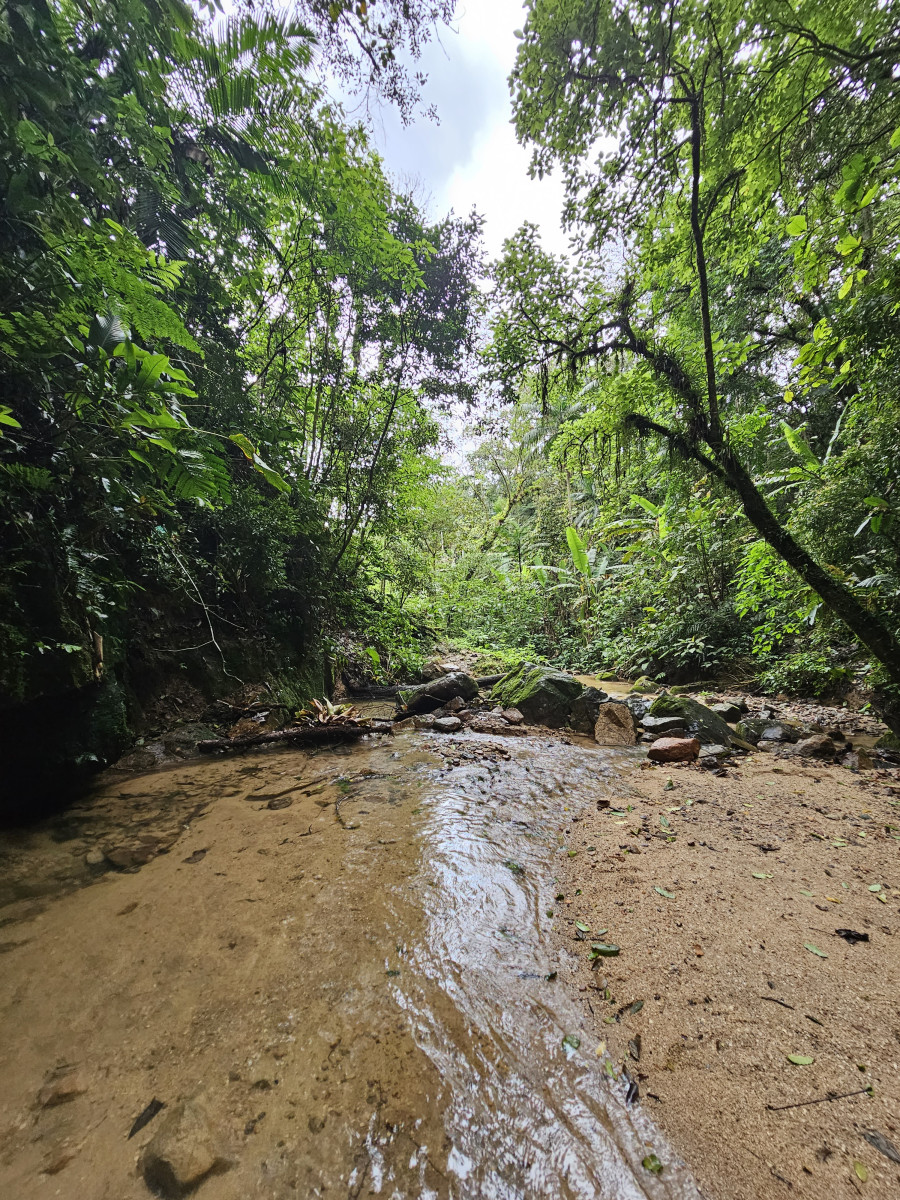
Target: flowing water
x,y
347,957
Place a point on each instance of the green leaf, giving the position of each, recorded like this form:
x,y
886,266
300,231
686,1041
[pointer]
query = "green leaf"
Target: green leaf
x,y
761,874
846,287
604,950
862,1171
800,1060
577,550
571,1041
798,445
796,225
581,926
874,887
652,1164
662,891
814,949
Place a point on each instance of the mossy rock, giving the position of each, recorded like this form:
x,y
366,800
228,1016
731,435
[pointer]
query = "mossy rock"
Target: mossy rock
x,y
700,722
543,696
888,741
584,712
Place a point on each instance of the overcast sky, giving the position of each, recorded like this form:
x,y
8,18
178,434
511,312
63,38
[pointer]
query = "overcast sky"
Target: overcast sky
x,y
470,157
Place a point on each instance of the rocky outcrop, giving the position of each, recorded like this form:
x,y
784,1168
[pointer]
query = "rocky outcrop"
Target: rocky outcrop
x,y
426,697
614,725
543,696
707,726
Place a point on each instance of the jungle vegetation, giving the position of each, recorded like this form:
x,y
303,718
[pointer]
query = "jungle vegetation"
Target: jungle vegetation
x,y
229,344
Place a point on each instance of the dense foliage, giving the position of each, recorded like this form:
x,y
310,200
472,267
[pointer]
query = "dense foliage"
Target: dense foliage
x,y
712,374
224,336
228,344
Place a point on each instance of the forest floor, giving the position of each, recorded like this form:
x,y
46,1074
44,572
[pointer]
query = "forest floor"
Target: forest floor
x,y
725,895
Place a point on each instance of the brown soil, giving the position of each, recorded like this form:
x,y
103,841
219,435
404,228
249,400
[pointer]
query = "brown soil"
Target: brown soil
x,y
760,864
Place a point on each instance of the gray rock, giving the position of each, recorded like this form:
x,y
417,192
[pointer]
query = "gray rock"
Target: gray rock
x,y
182,1152
779,733
639,706
700,721
819,745
433,670
425,721
95,857
543,696
583,713
663,724
428,696
614,725
512,716
447,725
728,712
488,723
738,701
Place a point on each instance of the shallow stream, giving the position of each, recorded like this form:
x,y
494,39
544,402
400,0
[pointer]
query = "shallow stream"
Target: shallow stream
x,y
355,945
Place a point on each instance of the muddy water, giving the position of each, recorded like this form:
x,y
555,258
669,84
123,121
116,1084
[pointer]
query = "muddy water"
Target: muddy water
x,y
345,958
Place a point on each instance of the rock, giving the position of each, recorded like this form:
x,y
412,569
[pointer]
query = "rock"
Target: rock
x,y
728,712
121,856
714,752
62,1086
779,733
705,725
182,742
542,695
433,670
512,716
858,760
670,725
486,723
638,706
583,713
95,857
888,741
407,723
447,725
182,1152
819,745
424,722
644,685
429,696
738,702
454,705
669,749
614,725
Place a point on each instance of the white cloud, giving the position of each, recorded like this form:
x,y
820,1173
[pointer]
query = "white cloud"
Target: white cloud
x,y
471,159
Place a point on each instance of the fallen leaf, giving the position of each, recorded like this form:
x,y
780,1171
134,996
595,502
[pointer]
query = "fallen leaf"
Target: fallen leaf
x,y
581,925
814,949
601,1049
800,1060
862,1171
882,1144
652,1164
572,1041
874,887
761,874
604,950
662,891
852,936
516,868
637,1006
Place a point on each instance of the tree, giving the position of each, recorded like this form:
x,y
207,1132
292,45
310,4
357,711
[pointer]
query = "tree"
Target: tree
x,y
743,146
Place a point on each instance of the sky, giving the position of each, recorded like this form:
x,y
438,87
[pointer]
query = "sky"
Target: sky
x,y
470,158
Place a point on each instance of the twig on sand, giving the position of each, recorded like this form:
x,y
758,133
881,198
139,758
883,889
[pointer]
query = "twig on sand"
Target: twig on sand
x,y
820,1100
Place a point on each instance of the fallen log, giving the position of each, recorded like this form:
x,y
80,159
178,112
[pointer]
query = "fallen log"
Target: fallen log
x,y
307,734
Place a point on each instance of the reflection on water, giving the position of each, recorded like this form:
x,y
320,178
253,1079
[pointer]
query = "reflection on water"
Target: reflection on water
x,y
383,938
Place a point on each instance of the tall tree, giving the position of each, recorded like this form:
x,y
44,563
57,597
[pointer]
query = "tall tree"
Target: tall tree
x,y
712,151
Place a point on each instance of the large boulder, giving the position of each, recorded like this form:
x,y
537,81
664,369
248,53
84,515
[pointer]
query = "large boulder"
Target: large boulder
x,y
426,697
707,726
543,696
614,725
583,713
